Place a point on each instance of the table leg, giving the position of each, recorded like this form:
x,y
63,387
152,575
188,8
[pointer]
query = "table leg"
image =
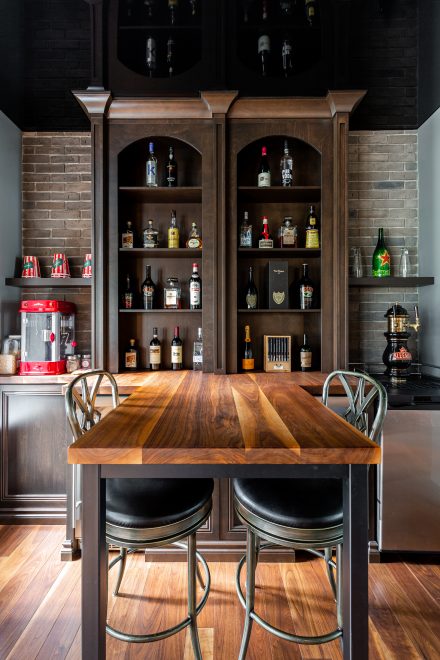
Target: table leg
x,y
355,563
94,565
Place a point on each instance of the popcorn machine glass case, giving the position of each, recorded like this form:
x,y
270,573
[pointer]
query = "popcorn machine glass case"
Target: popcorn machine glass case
x,y
47,336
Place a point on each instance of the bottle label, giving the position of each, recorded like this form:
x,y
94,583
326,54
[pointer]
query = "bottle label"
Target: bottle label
x,y
287,48
286,176
306,359
197,359
381,263
306,296
265,243
151,173
246,237
128,300
248,363
127,240
264,43
155,355
176,354
148,297
263,179
312,238
251,301
194,293
131,360
170,298
194,243
289,236
173,237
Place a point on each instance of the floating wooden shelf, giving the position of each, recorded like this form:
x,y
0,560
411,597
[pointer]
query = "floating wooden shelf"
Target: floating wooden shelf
x,y
48,282
285,252
159,253
182,194
390,281
279,311
279,194
161,311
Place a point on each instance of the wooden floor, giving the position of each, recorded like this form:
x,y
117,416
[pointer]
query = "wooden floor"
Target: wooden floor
x,y
40,606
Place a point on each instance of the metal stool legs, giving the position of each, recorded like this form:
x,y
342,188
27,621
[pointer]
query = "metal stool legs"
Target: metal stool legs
x,y
192,566
251,565
123,560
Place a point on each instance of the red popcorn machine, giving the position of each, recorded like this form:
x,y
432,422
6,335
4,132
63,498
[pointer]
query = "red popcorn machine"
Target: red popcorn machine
x,y
47,336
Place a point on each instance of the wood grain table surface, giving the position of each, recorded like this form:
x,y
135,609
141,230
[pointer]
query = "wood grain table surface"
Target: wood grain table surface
x,y
193,418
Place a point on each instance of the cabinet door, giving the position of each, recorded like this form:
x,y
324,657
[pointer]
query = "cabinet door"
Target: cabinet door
x,y
33,444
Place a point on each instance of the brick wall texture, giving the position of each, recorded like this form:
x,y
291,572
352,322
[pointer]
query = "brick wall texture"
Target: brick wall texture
x,y
56,200
383,192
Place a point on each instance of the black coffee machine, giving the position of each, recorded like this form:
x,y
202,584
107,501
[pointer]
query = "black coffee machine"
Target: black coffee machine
x,y
396,356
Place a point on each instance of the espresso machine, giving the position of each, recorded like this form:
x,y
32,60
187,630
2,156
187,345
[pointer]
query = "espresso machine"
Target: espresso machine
x,y
396,356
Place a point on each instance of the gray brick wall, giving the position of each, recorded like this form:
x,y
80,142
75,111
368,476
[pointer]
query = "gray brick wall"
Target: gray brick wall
x,y
57,217
383,192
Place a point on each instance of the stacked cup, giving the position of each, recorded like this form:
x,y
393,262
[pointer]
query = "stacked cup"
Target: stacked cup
x,y
31,267
60,265
87,268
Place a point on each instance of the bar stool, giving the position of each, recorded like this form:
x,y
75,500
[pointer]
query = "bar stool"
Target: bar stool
x,y
304,514
141,513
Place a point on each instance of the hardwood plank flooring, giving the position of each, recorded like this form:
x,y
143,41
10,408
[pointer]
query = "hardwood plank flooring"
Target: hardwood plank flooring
x,y
40,606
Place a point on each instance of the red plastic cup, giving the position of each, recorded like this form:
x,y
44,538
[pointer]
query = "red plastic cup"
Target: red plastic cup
x,y
31,267
60,265
87,267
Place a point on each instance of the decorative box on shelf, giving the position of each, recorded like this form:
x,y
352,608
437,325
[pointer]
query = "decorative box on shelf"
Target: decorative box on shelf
x,y
277,353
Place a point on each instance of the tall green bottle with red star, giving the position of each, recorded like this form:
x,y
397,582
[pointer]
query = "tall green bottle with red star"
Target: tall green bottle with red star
x,y
381,258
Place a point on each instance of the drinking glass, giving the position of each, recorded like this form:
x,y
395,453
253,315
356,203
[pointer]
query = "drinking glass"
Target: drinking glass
x,y
405,263
356,268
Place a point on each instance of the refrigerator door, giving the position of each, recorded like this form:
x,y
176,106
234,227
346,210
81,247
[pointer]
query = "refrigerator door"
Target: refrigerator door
x,y
409,482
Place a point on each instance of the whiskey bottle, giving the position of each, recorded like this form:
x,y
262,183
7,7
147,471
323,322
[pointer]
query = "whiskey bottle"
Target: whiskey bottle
x,y
286,56
127,239
264,53
265,240
151,167
173,232
305,355
381,258
173,6
171,169
128,295
251,291
312,230
195,289
286,166
198,351
288,233
150,56
171,55
194,239
246,232
176,350
131,360
311,7
248,361
264,170
305,289
150,236
155,352
148,290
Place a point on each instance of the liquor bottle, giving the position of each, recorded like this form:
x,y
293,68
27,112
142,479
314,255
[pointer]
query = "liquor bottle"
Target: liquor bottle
x,y
150,236
150,56
127,238
264,10
198,352
311,7
381,258
264,170
286,7
305,289
129,4
247,362
312,229
264,53
265,240
155,352
149,6
173,6
195,289
286,55
127,296
171,50
305,355
245,232
251,291
286,166
193,5
246,7
148,290
151,167
173,232
194,239
171,169
288,233
131,360
176,350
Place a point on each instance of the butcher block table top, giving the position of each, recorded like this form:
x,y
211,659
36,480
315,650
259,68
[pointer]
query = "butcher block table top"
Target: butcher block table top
x,y
193,418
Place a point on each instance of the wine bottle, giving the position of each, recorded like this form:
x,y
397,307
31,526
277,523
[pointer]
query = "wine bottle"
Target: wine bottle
x,y
305,355
176,350
312,230
251,291
148,290
265,240
127,296
171,169
171,51
155,352
195,289
264,10
173,232
173,6
247,362
381,258
151,167
127,238
264,53
264,170
131,356
305,289
286,166
198,352
150,56
286,55
246,232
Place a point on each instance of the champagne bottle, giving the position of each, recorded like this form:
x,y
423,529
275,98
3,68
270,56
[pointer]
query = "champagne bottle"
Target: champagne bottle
x,y
251,291
131,356
155,352
248,362
148,290
305,355
264,170
176,350
381,258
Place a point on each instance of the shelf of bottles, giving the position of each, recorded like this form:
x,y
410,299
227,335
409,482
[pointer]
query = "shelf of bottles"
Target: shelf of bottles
x,y
160,38
279,247
160,253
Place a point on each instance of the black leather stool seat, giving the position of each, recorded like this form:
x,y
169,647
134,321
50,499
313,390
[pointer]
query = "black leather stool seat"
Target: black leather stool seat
x,y
295,503
143,503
